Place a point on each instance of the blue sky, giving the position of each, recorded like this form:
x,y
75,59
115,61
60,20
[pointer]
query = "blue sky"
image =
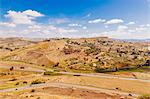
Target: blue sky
x,y
75,18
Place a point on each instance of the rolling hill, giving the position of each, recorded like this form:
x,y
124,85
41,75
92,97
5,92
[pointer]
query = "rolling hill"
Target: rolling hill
x,y
85,54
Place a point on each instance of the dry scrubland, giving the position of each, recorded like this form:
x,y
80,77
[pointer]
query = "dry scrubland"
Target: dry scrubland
x,y
26,62
78,54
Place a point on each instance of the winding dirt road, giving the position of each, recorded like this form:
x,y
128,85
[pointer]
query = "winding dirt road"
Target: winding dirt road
x,y
69,85
65,85
100,75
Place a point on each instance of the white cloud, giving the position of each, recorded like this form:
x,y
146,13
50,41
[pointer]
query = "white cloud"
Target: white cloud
x,y
32,13
124,32
75,25
61,30
114,21
25,17
48,29
122,28
131,31
51,27
34,27
97,21
142,28
6,24
40,31
88,15
145,25
25,24
148,25
131,23
116,34
84,27
106,26
139,29
58,20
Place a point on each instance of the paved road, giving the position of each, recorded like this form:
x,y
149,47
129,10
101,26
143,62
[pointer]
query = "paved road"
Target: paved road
x,y
65,85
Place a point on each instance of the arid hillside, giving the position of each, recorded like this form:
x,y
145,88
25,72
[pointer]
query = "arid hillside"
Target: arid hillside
x,y
90,54
85,68
8,45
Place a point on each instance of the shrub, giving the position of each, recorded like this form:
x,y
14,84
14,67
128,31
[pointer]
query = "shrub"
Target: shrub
x,y
144,97
100,70
43,65
14,79
37,82
33,90
21,67
11,68
56,64
91,45
51,73
95,51
17,83
25,82
103,70
38,98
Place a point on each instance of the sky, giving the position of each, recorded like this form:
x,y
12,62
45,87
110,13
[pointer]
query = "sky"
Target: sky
x,y
121,19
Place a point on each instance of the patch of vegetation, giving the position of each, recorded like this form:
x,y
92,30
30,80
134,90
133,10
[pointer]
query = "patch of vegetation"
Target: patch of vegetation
x,y
63,63
103,70
135,69
50,73
86,44
144,97
17,83
33,90
11,84
68,49
80,71
37,82
92,50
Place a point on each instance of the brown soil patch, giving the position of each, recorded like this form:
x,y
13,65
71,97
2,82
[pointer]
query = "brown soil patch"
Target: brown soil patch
x,y
60,93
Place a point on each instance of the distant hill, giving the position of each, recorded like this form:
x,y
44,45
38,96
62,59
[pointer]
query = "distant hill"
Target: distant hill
x,y
135,40
77,54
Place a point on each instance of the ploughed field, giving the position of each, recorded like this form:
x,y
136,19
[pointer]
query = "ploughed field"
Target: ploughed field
x,y
74,68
